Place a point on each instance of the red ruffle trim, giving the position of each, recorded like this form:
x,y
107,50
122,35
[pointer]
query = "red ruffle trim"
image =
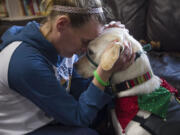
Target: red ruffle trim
x,y
169,87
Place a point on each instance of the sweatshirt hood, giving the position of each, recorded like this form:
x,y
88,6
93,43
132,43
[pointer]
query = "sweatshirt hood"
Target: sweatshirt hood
x,y
31,35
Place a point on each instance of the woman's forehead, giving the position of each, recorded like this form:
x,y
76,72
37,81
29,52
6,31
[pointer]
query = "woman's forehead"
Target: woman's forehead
x,y
91,29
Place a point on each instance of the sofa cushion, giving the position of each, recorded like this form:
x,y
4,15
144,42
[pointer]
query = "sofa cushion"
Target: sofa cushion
x,y
163,23
132,13
167,66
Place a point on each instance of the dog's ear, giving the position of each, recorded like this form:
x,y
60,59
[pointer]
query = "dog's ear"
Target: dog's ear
x,y
110,56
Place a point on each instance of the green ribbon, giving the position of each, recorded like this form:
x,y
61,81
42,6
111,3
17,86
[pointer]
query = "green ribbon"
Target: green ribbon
x,y
156,102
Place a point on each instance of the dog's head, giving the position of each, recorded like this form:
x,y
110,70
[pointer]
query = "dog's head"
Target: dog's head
x,y
86,65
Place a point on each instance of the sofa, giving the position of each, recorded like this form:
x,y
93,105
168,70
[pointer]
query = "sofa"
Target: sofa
x,y
152,21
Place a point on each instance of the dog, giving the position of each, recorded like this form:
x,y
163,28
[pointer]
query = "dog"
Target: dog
x,y
144,103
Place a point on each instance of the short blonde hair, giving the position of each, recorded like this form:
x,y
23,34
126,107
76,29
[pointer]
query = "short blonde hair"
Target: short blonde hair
x,y
77,19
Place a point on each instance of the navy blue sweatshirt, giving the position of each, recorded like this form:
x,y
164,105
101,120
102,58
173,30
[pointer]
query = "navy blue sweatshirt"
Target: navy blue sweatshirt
x,y
31,74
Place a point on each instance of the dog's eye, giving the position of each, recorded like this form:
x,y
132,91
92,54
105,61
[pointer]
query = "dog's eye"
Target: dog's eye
x,y
90,52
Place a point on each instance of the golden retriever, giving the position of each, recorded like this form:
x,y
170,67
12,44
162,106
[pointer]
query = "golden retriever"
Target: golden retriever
x,y
144,105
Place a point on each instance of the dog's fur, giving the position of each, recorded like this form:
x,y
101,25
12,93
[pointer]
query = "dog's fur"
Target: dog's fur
x,y
139,67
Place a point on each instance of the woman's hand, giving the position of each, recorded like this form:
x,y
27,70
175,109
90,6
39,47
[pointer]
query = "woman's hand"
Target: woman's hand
x,y
126,58
117,57
112,24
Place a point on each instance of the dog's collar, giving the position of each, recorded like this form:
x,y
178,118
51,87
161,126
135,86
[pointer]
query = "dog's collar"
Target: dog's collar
x,y
92,62
138,54
131,83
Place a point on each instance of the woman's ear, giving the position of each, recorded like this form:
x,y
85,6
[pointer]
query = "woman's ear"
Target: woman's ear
x,y
62,23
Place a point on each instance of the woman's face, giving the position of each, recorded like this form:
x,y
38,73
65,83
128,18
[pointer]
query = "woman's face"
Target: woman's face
x,y
75,40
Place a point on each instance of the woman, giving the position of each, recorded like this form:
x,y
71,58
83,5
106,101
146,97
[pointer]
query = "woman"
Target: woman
x,y
31,95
